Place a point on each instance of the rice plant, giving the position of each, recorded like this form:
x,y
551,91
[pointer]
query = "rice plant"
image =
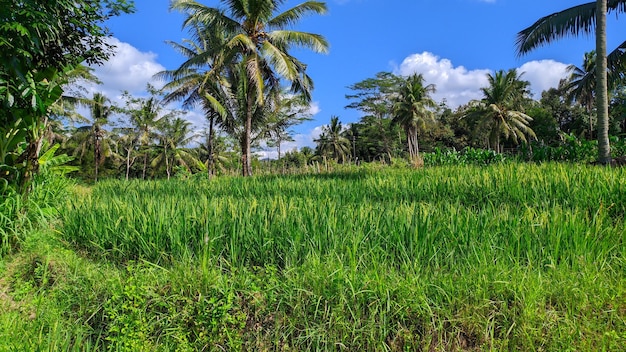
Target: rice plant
x,y
447,217
500,257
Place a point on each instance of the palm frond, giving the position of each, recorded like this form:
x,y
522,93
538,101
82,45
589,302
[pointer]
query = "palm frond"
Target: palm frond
x,y
292,15
570,22
281,61
286,39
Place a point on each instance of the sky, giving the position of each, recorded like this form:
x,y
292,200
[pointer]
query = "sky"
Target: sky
x,y
454,44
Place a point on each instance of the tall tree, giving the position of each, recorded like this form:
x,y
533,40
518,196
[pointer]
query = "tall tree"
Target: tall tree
x,y
374,97
145,114
332,141
581,85
174,135
501,108
573,21
413,110
258,36
288,111
196,83
100,109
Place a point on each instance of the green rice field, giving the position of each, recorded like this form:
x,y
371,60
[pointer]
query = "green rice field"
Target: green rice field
x,y
508,257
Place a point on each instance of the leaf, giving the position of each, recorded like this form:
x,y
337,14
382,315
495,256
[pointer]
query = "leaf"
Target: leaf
x,y
10,99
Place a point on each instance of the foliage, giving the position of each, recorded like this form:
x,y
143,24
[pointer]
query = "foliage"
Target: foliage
x,y
570,149
40,42
585,19
500,110
25,107
256,39
332,143
19,214
413,110
59,33
467,156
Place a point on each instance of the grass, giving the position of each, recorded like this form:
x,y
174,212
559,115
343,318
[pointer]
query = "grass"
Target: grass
x,y
503,257
448,217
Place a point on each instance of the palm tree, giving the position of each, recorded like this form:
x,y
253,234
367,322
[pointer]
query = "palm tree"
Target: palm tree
x,y
196,84
126,139
82,140
145,114
412,110
258,37
332,142
212,151
582,19
100,110
174,135
581,85
500,109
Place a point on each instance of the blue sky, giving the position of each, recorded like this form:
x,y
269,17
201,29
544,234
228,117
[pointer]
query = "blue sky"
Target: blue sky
x,y
453,43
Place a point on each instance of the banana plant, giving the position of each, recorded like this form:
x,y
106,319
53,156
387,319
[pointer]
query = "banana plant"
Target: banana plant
x,y
56,164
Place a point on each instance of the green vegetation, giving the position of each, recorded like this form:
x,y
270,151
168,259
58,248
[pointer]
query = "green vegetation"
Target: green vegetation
x,y
478,250
501,257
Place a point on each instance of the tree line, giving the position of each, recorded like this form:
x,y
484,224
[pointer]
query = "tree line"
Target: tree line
x,y
239,72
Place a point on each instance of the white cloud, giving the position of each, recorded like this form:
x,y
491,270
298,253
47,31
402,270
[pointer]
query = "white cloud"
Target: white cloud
x,y
457,85
543,74
128,69
314,108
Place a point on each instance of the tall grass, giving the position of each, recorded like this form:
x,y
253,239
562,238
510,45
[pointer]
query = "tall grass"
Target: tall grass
x,y
20,214
447,217
501,258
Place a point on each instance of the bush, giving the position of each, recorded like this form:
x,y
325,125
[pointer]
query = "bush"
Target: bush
x,y
467,156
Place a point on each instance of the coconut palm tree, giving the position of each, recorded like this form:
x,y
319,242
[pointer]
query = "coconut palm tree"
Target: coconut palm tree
x,y
573,21
500,108
144,116
174,135
212,151
413,111
581,84
100,108
196,84
258,37
332,142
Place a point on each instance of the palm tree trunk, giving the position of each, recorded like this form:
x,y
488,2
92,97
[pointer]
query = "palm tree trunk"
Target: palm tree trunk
x,y
167,164
210,161
245,152
145,165
604,148
410,146
417,146
96,152
589,112
498,149
128,162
